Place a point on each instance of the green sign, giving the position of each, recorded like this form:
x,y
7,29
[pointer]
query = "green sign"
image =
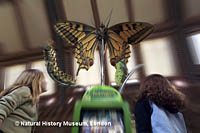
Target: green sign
x,y
102,93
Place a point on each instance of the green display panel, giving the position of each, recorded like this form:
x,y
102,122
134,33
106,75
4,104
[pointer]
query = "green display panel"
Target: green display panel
x,y
102,109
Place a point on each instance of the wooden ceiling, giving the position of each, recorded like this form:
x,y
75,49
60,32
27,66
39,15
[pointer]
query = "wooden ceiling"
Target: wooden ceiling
x,y
25,26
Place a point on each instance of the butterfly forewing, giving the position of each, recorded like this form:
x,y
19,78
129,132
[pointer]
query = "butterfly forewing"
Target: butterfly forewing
x,y
132,33
71,32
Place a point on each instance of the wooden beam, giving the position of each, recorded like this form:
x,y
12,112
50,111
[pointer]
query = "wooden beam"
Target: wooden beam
x,y
61,13
4,1
1,50
162,30
174,12
23,57
68,56
56,13
129,10
169,27
21,25
2,77
192,25
95,12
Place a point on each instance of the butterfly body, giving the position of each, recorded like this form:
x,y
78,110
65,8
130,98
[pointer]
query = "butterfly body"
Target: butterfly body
x,y
116,38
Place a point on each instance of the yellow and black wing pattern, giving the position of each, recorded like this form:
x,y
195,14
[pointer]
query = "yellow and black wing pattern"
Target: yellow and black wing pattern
x,y
83,38
118,48
123,34
117,38
133,33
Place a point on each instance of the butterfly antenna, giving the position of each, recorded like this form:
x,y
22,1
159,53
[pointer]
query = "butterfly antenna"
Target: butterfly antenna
x,y
109,17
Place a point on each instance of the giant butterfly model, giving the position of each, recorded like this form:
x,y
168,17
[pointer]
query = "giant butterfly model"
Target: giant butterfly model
x,y
117,38
85,39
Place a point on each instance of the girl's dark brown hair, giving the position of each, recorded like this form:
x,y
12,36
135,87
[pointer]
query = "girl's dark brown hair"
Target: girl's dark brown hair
x,y
161,91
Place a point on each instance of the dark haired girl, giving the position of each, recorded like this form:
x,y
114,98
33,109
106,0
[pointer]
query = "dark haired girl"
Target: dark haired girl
x,y
158,90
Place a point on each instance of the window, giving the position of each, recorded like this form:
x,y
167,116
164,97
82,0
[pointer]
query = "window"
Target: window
x,y
158,57
50,83
194,46
11,74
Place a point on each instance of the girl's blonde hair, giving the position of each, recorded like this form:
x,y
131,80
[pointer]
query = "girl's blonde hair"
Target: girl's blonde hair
x,y
31,78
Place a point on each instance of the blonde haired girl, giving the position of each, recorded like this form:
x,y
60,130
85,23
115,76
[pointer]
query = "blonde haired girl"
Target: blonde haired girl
x,y
18,103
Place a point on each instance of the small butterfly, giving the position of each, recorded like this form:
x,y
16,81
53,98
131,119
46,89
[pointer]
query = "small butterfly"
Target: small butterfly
x,y
117,38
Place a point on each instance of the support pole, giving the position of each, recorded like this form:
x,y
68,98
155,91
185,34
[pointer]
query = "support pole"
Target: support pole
x,y
102,62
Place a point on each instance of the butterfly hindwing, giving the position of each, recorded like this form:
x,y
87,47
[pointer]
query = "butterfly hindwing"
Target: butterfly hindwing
x,y
132,33
89,44
84,51
118,48
123,34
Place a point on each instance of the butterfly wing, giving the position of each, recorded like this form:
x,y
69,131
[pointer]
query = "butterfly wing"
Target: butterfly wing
x,y
118,48
85,49
123,34
71,32
133,33
82,37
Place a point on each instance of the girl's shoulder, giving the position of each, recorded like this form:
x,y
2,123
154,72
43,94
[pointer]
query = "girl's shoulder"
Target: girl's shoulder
x,y
143,104
23,91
